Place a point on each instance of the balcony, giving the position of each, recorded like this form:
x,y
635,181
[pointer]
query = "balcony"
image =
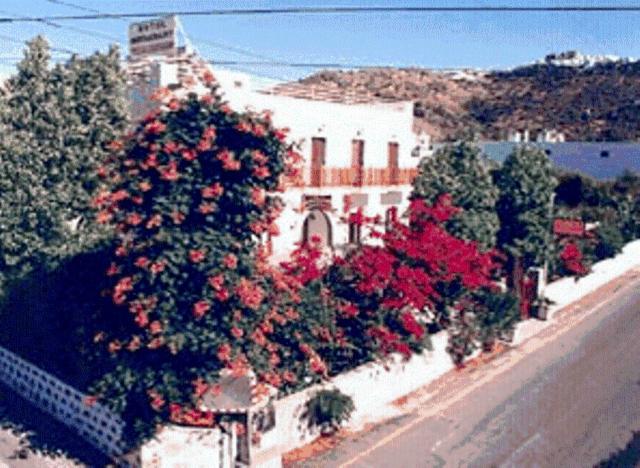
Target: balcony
x,y
354,177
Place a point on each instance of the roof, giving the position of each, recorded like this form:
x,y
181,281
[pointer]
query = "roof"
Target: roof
x,y
329,92
600,160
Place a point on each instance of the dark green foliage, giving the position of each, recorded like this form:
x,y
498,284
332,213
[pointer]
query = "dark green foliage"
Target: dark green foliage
x,y
497,315
610,241
49,317
526,186
55,124
327,410
461,171
490,316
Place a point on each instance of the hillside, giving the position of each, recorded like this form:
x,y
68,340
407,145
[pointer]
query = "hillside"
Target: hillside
x,y
585,98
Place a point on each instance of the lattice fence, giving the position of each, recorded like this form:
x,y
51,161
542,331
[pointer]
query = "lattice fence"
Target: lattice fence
x,y
96,424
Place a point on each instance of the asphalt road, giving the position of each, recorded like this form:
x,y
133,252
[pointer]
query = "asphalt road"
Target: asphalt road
x,y
568,397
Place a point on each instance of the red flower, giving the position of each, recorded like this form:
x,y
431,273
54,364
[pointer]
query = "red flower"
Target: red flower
x,y
203,145
200,387
113,270
189,154
259,157
261,172
170,147
250,294
196,256
174,104
207,208
142,320
114,346
154,221
141,262
208,77
103,217
213,191
243,127
222,295
410,324
281,134
259,130
157,402
157,267
145,186
216,282
200,308
90,400
224,352
237,332
230,261
170,172
155,128
258,196
317,365
177,217
209,133
155,327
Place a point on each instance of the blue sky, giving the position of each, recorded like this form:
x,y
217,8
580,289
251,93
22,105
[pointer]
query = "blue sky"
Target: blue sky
x,y
432,40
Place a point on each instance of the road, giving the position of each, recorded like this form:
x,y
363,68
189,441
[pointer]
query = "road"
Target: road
x,y
568,397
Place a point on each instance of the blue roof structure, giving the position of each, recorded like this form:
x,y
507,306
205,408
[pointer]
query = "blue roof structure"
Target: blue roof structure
x,y
600,160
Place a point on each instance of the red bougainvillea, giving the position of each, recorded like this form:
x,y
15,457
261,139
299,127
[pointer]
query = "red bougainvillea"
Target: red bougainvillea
x,y
572,260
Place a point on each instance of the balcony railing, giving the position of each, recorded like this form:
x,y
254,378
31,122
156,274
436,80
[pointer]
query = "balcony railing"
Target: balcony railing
x,y
354,177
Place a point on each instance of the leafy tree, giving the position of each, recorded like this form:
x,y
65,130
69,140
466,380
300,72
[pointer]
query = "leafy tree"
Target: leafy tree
x,y
55,124
525,207
461,171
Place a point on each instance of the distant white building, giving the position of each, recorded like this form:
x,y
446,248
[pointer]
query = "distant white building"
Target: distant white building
x,y
361,154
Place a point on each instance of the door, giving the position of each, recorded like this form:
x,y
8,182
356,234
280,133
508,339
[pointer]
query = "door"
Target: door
x,y
392,164
318,148
357,162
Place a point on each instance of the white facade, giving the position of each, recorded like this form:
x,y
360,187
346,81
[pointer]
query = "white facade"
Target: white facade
x,y
380,128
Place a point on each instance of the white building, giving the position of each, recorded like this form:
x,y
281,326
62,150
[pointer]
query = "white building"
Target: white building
x,y
360,154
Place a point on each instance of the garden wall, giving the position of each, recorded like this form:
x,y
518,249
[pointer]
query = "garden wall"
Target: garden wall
x,y
375,386
96,424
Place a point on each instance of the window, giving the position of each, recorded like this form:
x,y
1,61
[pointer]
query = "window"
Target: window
x,y
317,226
354,232
390,217
392,163
357,162
604,154
318,148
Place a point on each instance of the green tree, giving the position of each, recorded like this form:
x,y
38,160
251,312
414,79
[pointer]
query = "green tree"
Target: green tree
x,y
525,205
464,173
55,126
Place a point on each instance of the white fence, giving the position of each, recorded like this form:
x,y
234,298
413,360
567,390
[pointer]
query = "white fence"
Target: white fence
x,y
173,446
96,424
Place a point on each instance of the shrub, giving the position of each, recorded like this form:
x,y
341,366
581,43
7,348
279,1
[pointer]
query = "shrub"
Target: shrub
x,y
462,172
609,241
327,410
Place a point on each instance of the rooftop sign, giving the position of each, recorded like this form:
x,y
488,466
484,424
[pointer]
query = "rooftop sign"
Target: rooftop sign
x,y
154,37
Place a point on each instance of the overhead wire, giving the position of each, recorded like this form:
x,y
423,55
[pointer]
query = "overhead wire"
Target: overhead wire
x,y
330,10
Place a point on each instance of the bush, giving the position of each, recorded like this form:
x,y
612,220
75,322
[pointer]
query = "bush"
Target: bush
x,y
327,410
609,241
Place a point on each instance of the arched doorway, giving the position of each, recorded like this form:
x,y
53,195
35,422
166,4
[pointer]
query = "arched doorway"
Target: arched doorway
x,y
317,223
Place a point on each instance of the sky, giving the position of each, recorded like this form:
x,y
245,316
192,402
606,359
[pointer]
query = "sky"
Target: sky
x,y
430,40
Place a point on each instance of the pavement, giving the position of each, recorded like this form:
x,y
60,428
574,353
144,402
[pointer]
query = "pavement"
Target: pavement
x,y
566,397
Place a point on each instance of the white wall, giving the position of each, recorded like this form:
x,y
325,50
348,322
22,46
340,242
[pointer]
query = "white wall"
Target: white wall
x,y
292,218
340,124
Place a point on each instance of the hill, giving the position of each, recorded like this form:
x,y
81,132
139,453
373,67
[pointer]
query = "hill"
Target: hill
x,y
586,98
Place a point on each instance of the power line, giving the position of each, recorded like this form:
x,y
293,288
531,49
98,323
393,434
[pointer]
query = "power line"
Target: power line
x,y
235,49
54,49
297,64
327,10
199,40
